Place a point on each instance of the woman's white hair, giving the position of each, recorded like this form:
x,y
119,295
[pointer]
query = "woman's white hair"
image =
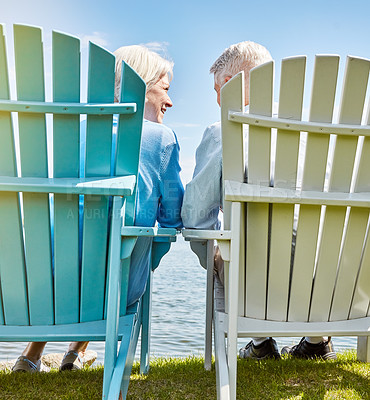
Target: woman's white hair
x,y
238,57
148,64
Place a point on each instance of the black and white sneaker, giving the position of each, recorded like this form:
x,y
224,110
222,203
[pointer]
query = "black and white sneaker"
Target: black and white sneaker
x,y
267,349
304,349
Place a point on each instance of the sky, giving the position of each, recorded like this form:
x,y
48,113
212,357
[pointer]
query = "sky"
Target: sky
x,y
193,33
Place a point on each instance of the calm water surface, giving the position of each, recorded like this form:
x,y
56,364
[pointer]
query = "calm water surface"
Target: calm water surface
x,y
178,312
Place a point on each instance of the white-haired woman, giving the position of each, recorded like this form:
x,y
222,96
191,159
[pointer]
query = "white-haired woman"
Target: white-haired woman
x,y
160,191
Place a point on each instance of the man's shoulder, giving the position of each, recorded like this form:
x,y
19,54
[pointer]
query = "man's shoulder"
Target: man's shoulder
x,y
214,130
211,136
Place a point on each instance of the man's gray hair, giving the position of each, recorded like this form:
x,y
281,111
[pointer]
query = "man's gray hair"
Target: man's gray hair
x,y
238,57
148,64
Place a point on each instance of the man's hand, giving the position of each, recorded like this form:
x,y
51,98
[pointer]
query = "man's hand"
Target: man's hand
x,y
219,265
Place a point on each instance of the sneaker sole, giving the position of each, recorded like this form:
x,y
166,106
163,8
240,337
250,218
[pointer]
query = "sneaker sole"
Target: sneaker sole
x,y
325,357
329,356
68,367
266,357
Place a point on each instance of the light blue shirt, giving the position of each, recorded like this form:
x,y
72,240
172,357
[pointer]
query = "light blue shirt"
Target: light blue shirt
x,y
159,197
159,194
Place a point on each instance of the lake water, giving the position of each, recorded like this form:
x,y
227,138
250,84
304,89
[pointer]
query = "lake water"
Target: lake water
x,y
178,314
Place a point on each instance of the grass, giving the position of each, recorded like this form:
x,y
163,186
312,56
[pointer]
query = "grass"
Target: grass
x,y
183,379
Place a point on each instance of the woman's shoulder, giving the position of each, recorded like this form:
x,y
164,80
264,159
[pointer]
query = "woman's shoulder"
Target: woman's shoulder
x,y
160,132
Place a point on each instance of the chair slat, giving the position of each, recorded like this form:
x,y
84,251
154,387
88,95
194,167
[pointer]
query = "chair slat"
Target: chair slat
x,y
317,146
66,143
286,161
11,238
351,110
33,149
128,150
361,296
257,221
233,96
98,162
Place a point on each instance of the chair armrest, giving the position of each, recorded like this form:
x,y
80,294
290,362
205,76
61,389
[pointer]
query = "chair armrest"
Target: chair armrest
x,y
67,108
246,192
157,233
198,234
103,186
162,238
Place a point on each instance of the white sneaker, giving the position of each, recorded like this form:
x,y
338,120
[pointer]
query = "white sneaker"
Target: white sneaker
x,y
23,364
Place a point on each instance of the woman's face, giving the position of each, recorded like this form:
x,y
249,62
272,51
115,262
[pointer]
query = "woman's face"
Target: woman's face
x,y
157,100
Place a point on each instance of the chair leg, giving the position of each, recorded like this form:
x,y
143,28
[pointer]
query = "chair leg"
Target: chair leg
x,y
222,370
122,369
232,363
114,291
129,361
111,342
209,306
232,334
145,327
363,348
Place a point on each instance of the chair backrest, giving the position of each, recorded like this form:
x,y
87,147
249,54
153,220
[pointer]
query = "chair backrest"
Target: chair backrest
x,y
53,252
306,252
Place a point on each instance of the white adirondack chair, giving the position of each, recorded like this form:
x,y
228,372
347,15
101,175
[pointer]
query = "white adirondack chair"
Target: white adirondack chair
x,y
296,249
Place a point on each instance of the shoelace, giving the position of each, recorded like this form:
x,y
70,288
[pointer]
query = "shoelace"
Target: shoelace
x,y
29,362
32,364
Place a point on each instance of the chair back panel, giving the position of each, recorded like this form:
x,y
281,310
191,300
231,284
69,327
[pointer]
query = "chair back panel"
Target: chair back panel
x,y
58,259
66,154
307,262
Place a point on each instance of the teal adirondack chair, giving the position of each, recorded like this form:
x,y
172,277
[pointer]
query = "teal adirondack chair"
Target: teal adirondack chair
x,y
64,258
